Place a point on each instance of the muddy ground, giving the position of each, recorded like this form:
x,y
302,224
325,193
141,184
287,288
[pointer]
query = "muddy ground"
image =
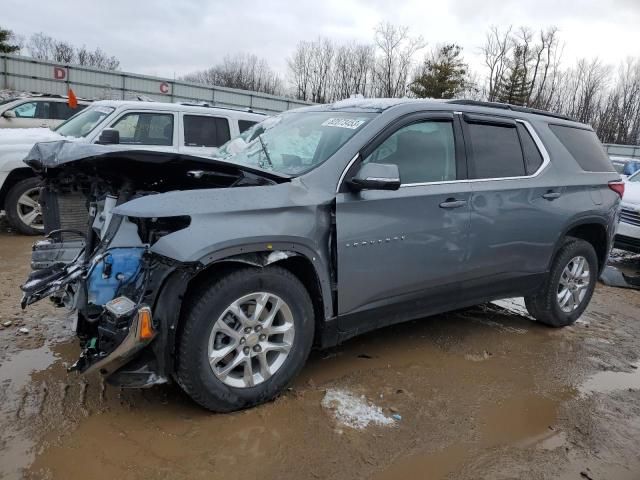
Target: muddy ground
x,y
481,393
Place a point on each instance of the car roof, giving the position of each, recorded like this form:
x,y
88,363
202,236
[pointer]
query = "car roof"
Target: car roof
x,y
179,107
461,105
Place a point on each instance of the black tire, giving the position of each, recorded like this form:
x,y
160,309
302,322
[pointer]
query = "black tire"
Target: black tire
x,y
11,206
194,373
543,305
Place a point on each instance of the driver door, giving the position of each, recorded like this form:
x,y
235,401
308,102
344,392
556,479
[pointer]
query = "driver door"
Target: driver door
x,y
398,251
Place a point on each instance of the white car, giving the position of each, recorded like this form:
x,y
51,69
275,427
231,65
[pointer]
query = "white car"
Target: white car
x,y
37,111
628,231
191,129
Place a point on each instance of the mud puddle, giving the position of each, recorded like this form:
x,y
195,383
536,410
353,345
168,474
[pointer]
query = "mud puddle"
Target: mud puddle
x,y
480,393
609,381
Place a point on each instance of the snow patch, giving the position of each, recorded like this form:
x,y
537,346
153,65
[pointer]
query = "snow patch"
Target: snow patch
x,y
353,411
29,136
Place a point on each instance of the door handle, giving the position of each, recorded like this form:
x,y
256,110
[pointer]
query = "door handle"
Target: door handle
x,y
453,203
551,195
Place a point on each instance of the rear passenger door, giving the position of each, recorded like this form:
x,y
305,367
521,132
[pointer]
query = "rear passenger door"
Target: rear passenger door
x,y
514,220
202,133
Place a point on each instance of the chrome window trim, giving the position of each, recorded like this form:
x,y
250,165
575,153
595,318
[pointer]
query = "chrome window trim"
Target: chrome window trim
x,y
546,160
344,172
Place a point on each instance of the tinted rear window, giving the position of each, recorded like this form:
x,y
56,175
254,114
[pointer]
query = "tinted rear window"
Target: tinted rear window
x,y
584,146
201,131
496,151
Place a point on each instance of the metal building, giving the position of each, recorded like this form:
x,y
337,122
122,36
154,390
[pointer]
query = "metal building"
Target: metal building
x,y
30,75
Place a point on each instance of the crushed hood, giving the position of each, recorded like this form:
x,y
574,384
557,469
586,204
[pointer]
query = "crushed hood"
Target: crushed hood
x,y
50,155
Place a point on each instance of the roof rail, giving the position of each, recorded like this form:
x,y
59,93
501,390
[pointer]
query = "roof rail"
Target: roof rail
x,y
50,95
208,105
508,106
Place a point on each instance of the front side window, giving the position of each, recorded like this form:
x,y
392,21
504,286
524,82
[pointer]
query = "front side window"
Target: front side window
x,y
84,122
293,142
145,128
26,110
423,152
496,151
204,131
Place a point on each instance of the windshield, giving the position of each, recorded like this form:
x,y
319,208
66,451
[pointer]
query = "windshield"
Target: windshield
x,y
8,100
295,142
82,123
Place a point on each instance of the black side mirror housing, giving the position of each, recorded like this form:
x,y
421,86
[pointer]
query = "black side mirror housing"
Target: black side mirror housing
x,y
109,136
376,176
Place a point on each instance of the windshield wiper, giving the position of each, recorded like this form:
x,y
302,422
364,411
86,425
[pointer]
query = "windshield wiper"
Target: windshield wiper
x,y
264,149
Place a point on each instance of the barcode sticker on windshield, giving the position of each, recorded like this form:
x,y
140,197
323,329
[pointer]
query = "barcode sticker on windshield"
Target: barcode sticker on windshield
x,y
350,123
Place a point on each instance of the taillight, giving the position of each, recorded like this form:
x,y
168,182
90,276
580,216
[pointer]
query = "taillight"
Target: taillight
x,y
617,187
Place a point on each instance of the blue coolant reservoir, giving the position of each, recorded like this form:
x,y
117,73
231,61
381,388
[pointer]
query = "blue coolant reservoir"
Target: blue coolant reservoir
x,y
118,267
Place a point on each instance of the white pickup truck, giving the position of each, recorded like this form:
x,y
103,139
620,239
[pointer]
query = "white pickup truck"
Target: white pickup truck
x,y
190,129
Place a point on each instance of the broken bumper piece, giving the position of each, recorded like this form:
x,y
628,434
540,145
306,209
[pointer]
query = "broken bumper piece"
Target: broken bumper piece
x,y
123,332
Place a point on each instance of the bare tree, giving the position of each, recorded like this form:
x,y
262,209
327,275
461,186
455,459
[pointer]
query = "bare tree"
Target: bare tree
x,y
243,71
396,51
496,52
44,47
63,52
300,70
40,46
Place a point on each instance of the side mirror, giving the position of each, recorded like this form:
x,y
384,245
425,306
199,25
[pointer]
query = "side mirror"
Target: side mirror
x,y
376,176
9,114
109,136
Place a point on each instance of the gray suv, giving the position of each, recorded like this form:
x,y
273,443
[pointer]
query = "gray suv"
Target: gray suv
x,y
314,226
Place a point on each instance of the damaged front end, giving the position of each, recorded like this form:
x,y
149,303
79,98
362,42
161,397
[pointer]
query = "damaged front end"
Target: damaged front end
x,y
100,264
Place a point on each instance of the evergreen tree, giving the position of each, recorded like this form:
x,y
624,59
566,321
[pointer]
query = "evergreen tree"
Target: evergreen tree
x,y
5,38
442,75
514,85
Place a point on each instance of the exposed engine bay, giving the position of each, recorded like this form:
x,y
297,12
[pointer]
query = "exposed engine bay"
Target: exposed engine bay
x,y
101,265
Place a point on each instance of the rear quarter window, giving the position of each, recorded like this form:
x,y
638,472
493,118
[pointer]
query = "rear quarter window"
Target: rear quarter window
x,y
245,124
584,147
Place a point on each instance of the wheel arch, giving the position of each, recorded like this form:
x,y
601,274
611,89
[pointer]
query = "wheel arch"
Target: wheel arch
x,y
592,230
177,291
15,176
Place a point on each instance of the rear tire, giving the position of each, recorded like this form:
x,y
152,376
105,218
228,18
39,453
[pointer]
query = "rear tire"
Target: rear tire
x,y
569,286
22,207
222,318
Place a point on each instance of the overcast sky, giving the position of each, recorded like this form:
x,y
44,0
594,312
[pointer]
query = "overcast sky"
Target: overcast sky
x,y
167,37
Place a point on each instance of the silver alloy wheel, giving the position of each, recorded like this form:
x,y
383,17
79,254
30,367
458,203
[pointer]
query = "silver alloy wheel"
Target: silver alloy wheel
x,y
251,340
29,210
574,283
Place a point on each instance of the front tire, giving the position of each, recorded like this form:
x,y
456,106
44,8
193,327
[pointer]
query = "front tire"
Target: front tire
x,y
568,288
245,338
22,207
